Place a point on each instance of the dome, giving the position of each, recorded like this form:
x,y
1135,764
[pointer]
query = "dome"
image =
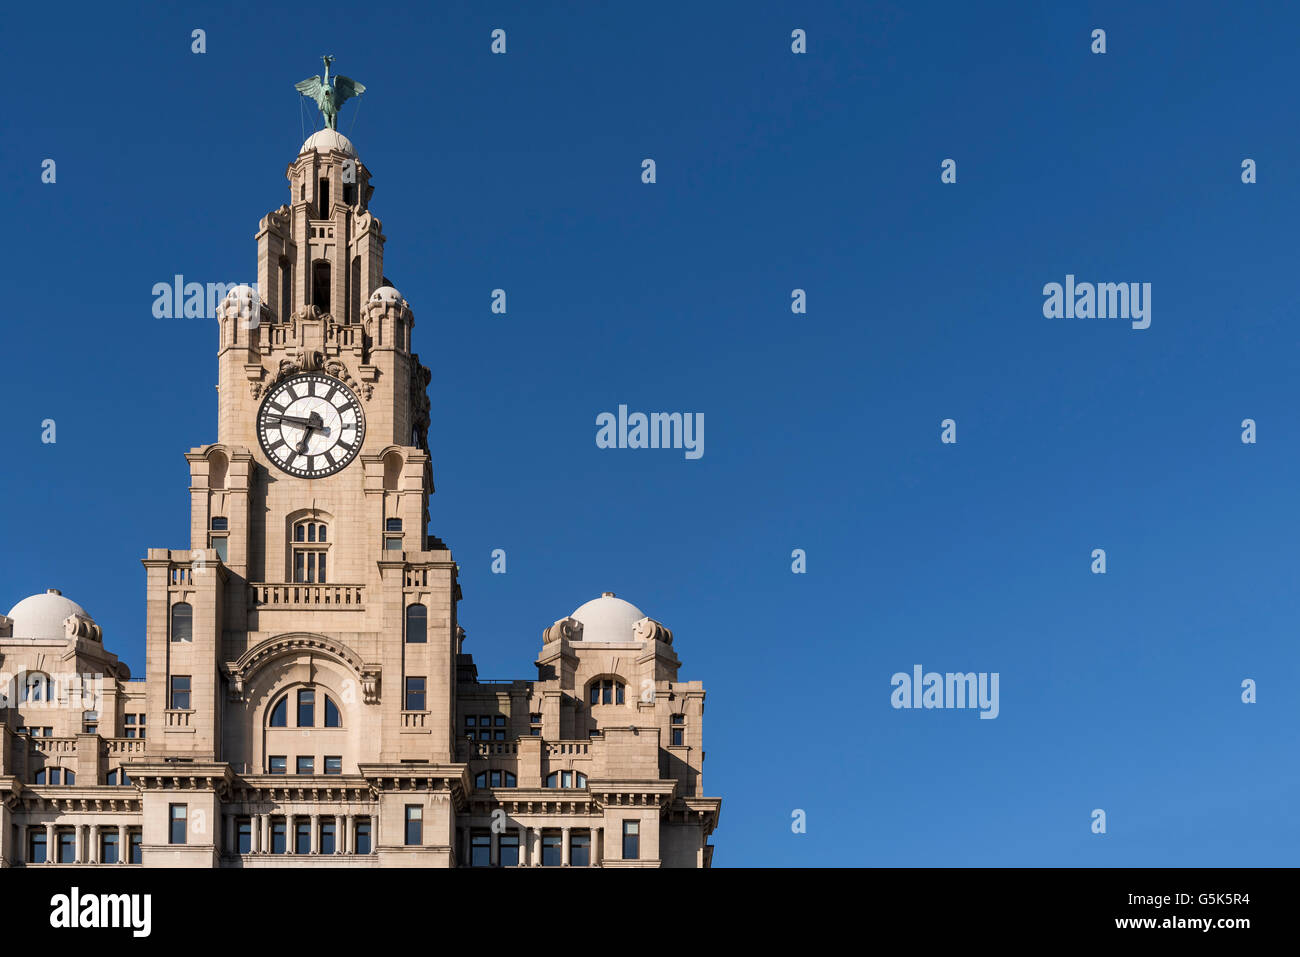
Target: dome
x,y
42,616
385,294
325,140
608,618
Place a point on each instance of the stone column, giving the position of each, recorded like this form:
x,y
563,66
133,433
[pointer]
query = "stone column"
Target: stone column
x,y
264,826
123,845
564,846
374,831
597,846
523,846
314,840
340,834
535,846
51,849
494,855
232,847
288,833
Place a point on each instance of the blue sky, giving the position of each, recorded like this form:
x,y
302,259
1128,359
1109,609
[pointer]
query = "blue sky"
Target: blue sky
x,y
775,171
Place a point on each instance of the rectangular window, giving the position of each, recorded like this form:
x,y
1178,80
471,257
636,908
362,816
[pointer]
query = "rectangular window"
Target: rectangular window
x,y
535,725
306,765
276,764
595,692
220,524
580,848
414,825
306,708
220,544
392,524
36,849
566,779
135,837
414,694
179,827
67,846
302,837
133,726
181,692
631,840
480,849
551,849
392,544
244,839
108,846
333,764
90,722
277,835
618,693
509,850
362,842
327,838
607,692
678,731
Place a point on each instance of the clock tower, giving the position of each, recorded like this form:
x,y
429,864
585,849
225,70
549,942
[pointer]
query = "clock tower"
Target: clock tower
x,y
309,512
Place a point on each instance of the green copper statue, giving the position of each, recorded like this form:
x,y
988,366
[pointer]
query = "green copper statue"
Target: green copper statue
x,y
329,96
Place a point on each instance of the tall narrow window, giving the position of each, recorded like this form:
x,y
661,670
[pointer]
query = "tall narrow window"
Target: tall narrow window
x,y
135,839
180,688
678,730
417,622
182,622
219,537
551,848
324,198
244,839
631,840
67,841
179,829
286,289
362,842
332,717
320,284
414,825
277,835
302,837
354,280
306,708
326,838
509,850
480,848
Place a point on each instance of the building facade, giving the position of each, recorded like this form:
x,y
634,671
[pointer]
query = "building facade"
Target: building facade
x,y
307,697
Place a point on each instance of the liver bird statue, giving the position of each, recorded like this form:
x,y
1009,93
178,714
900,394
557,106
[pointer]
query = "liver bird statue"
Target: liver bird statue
x,y
328,96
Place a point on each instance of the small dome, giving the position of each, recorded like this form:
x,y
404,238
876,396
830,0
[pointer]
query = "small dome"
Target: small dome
x,y
385,294
42,616
325,140
608,618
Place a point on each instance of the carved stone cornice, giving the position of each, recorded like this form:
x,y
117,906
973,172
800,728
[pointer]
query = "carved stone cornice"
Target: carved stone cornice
x,y
240,673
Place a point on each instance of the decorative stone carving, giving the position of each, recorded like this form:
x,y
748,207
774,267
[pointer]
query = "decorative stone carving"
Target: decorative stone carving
x,y
370,684
647,629
569,629
79,626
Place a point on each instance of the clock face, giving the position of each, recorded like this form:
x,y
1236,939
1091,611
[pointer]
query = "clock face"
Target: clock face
x,y
311,425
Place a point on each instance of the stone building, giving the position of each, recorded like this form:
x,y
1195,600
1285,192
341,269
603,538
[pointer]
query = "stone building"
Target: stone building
x,y
307,697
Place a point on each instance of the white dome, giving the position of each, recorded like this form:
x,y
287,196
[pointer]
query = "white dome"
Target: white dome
x,y
608,618
42,616
386,294
325,140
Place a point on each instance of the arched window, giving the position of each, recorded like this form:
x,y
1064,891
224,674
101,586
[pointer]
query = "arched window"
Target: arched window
x,y
310,551
37,687
118,778
417,624
182,622
566,779
606,691
494,779
306,700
